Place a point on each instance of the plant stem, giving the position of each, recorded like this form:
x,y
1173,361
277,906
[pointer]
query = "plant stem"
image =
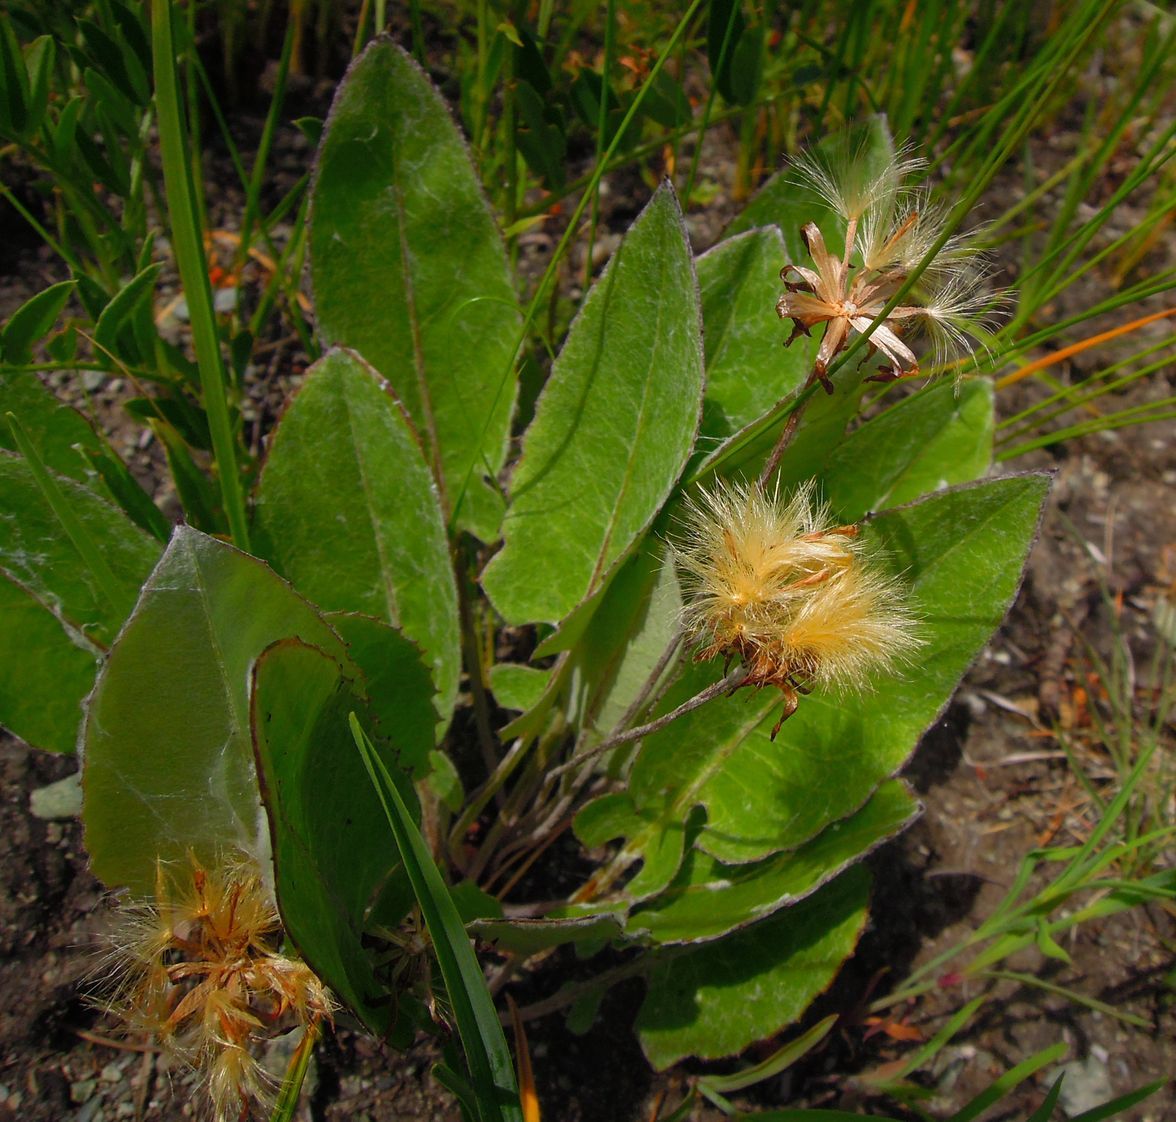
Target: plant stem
x,y
786,434
188,246
724,685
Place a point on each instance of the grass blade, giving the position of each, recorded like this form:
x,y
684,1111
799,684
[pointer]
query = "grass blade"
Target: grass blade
x,y
477,1021
189,251
1002,1086
777,1062
1122,1103
291,1092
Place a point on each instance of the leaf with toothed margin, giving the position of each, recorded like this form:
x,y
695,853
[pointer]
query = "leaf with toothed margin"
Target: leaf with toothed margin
x,y
409,268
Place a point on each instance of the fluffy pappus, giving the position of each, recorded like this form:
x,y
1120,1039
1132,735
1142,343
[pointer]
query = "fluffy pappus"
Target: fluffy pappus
x,y
891,230
198,967
773,582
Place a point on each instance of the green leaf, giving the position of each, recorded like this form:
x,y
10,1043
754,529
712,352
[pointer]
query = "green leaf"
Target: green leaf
x,y
715,1000
117,112
612,430
128,492
115,63
409,269
38,552
540,135
331,843
526,937
517,687
748,368
116,332
14,83
707,898
360,528
491,1068
53,427
725,28
666,102
32,321
938,437
65,131
1118,1105
398,683
625,640
820,431
198,494
168,764
747,66
40,56
960,554
45,671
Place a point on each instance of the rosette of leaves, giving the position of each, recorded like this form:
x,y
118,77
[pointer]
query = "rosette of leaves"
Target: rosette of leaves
x,y
219,717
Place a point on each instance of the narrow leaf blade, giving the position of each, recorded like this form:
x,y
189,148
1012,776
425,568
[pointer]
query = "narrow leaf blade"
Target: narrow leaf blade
x,y
481,1034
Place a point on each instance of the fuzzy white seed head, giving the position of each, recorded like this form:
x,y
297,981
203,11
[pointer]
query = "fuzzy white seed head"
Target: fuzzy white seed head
x,y
773,582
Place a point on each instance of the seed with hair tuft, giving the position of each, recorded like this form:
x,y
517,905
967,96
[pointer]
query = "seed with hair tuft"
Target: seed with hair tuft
x,y
775,583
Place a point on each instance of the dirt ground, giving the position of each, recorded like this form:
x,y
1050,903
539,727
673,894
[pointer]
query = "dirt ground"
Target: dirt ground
x,y
993,778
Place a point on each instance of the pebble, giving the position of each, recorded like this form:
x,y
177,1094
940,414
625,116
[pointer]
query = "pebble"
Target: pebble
x,y
111,1073
1086,1085
62,799
82,1091
91,1112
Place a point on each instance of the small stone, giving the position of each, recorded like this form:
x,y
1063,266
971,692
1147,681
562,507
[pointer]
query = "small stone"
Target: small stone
x,y
82,1091
125,1110
62,799
92,379
1086,1085
91,1112
111,1073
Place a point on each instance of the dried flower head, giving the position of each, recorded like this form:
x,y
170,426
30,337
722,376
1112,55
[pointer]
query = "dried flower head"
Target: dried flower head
x,y
198,967
773,582
891,228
